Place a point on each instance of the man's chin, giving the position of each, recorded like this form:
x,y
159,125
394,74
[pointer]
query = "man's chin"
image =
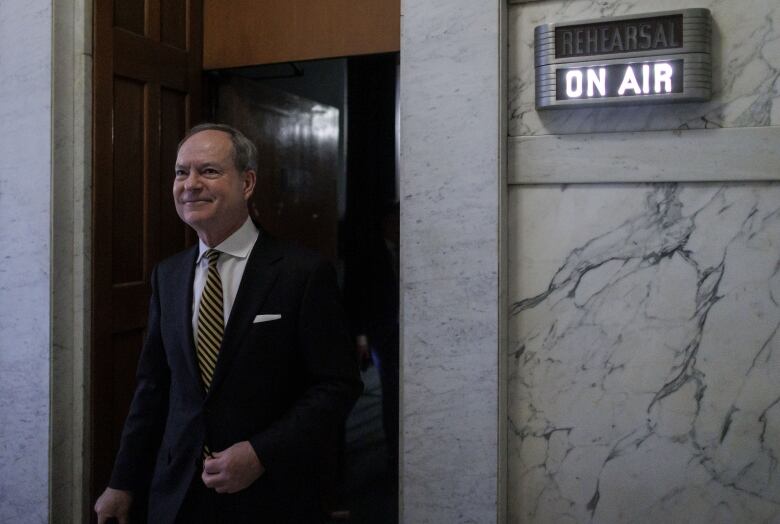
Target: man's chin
x,y
196,218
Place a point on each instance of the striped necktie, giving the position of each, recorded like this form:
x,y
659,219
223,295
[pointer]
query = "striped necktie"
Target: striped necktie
x,y
210,320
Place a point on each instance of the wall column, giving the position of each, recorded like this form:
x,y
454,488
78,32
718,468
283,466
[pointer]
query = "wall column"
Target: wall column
x,y
71,232
451,88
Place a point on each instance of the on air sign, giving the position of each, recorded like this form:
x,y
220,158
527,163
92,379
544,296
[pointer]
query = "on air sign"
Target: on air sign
x,y
654,58
618,80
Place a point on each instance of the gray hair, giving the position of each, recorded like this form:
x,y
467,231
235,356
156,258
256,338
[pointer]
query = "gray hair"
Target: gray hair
x,y
244,150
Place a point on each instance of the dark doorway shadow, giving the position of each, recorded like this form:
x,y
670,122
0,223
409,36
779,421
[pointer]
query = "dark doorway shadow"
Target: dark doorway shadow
x,y
327,133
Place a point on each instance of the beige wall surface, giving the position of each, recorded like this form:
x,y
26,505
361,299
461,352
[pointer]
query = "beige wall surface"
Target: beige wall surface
x,y
246,32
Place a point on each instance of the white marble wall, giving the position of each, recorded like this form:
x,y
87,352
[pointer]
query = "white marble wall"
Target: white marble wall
x,y
643,375
644,317
25,173
450,185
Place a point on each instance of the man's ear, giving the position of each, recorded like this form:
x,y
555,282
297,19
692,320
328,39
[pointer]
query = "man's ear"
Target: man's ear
x,y
250,179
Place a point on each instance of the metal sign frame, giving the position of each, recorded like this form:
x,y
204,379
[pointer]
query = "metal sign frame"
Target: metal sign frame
x,y
695,51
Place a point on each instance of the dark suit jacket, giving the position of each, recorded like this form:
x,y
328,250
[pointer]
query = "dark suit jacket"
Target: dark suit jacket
x,y
281,384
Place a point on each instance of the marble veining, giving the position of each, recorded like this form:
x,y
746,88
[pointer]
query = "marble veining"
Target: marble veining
x,y
746,69
644,359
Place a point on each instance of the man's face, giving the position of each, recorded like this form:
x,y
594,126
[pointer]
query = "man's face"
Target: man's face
x,y
209,192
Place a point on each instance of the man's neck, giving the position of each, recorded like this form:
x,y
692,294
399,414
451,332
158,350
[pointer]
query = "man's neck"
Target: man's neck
x,y
213,239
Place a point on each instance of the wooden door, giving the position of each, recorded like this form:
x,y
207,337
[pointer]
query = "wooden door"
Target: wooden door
x,y
147,84
298,160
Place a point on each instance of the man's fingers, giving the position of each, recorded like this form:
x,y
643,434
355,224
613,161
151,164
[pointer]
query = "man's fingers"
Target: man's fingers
x,y
211,480
113,503
216,483
211,466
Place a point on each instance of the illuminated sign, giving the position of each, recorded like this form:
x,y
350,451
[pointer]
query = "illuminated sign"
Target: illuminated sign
x,y
663,57
631,79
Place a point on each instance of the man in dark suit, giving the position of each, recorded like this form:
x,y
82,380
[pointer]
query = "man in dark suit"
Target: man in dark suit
x,y
246,368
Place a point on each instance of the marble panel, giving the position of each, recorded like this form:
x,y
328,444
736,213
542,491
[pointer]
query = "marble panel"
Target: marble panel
x,y
744,153
71,263
450,185
25,193
644,356
746,69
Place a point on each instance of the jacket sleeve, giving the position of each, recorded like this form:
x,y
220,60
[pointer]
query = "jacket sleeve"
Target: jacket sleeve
x,y
145,421
333,380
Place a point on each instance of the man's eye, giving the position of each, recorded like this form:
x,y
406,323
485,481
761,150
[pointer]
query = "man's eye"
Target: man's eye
x,y
210,171
180,173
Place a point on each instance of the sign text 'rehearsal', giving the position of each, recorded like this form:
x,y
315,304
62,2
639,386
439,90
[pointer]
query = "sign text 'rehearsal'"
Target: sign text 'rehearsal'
x,y
620,36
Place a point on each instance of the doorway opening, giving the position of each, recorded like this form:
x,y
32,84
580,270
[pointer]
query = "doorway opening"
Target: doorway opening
x,y
327,137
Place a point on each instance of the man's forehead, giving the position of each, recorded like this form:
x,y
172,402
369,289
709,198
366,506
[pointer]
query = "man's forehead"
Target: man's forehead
x,y
209,144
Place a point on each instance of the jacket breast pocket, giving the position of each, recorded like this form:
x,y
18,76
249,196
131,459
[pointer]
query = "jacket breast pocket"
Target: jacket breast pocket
x,y
271,326
266,339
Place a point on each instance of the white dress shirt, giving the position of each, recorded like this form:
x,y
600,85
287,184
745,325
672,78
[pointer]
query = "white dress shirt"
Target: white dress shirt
x,y
235,251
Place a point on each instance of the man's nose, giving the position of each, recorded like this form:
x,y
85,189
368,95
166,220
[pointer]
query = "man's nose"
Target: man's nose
x,y
192,181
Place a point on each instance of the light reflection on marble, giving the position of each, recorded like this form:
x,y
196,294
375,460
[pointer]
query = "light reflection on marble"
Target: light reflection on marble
x,y
746,69
644,358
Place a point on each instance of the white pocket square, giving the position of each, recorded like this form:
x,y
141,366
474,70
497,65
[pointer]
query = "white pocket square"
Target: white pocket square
x,y
266,318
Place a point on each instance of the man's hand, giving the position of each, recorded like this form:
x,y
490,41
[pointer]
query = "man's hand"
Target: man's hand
x,y
114,503
233,469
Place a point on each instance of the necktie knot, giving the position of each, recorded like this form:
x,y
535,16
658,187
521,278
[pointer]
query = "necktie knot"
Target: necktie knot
x,y
212,255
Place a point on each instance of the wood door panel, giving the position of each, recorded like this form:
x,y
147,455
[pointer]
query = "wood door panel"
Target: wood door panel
x,y
161,64
127,348
129,14
173,30
146,93
129,306
173,125
297,141
128,187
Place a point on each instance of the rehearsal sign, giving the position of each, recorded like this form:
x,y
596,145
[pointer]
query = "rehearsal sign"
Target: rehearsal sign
x,y
654,58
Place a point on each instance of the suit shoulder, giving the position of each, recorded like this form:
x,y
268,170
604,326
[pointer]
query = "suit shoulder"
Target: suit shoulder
x,y
299,257
175,263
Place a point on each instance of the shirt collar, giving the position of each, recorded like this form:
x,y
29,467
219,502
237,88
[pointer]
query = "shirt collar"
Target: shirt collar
x,y
238,245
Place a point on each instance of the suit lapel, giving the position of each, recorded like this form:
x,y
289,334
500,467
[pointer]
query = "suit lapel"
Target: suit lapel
x,y
182,287
259,276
